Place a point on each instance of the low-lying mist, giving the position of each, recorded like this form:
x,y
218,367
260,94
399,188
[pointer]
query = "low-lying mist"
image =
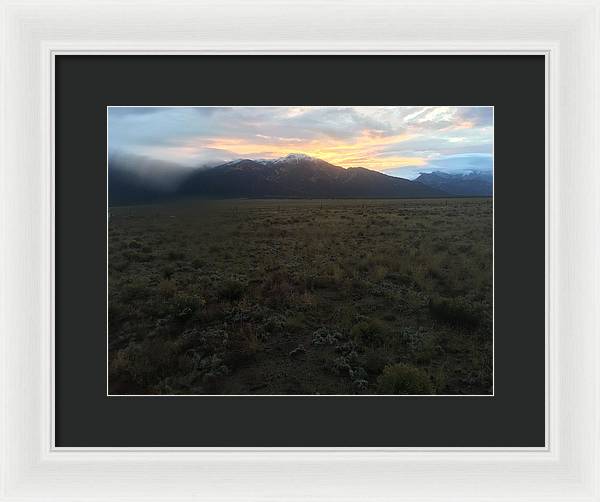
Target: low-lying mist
x,y
149,173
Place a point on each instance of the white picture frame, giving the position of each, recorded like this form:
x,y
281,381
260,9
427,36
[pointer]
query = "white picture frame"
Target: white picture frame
x,y
568,35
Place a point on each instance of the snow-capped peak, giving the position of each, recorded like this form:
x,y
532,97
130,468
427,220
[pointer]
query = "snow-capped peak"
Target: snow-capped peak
x,y
292,157
235,162
295,157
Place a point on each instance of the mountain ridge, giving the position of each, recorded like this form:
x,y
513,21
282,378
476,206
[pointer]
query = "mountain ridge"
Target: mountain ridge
x,y
295,175
299,175
473,183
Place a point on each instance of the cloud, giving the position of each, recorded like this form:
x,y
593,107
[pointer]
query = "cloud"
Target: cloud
x,y
382,138
481,116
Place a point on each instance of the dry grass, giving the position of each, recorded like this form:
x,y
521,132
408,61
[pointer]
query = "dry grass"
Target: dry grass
x,y
404,282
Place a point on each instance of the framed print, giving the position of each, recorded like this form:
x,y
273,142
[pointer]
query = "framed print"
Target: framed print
x,y
254,254
238,267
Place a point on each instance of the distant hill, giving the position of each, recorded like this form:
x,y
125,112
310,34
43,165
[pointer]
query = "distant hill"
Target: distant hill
x,y
298,175
476,183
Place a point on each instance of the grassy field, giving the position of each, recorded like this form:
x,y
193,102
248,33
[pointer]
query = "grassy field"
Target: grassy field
x,y
301,297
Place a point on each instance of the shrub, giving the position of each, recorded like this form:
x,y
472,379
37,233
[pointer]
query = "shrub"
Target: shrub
x,y
186,305
370,332
360,386
274,323
147,361
168,271
243,346
295,323
135,290
277,289
167,287
175,255
119,264
341,365
213,371
135,244
305,300
134,256
205,342
315,282
456,311
231,290
428,350
378,272
403,379
439,380
375,361
400,278
325,336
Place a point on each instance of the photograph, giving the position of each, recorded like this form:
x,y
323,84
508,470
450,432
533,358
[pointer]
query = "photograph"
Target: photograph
x,y
300,250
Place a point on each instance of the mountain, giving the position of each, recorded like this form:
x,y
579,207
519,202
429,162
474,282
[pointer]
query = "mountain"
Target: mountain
x,y
475,183
298,175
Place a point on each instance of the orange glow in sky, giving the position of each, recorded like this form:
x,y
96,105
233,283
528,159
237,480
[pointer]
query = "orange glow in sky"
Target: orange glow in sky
x,y
359,152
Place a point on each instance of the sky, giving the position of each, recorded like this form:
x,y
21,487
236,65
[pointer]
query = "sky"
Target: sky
x,y
400,141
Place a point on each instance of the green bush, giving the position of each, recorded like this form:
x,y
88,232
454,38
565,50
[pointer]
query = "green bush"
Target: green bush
x,y
147,361
403,379
375,360
185,305
369,332
231,290
456,311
